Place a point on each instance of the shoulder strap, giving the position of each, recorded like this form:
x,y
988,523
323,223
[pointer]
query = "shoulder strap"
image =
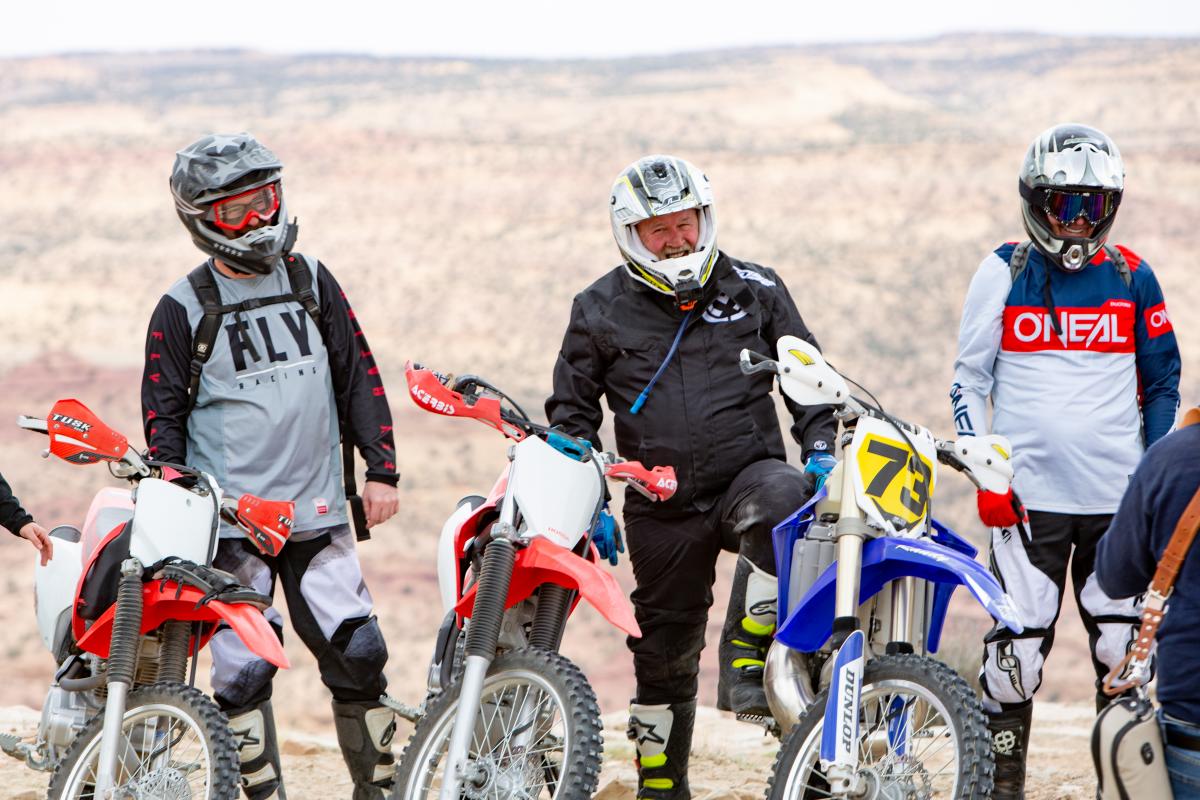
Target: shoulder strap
x,y
209,295
1119,261
1019,260
300,279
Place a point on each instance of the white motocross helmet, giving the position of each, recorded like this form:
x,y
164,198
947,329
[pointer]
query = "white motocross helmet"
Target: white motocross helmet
x,y
651,187
1071,170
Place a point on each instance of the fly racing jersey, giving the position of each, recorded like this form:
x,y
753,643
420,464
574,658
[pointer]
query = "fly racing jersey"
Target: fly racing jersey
x,y
703,417
265,419
1080,406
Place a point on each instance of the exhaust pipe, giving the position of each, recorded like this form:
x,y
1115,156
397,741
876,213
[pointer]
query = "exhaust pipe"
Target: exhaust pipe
x,y
787,685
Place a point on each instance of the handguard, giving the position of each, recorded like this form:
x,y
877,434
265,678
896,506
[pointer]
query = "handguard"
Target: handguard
x,y
267,523
428,392
655,484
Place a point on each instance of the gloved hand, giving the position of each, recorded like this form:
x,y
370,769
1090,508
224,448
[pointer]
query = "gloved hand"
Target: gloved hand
x,y
607,537
1000,510
820,465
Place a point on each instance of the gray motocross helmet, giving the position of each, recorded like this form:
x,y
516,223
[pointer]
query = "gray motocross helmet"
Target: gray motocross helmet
x,y
1071,170
221,166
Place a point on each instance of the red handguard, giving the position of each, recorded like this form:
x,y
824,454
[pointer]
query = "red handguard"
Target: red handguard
x,y
657,484
1000,510
428,392
268,522
79,437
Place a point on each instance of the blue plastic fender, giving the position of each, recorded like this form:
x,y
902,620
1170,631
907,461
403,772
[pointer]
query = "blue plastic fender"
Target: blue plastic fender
x,y
811,623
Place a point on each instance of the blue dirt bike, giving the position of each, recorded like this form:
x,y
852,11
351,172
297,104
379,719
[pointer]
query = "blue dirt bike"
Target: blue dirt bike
x,y
865,578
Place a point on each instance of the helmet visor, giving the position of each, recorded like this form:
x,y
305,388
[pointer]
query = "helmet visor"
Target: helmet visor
x,y
1066,206
236,212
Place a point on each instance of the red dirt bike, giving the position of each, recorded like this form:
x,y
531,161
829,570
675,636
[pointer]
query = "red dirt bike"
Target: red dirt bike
x,y
506,715
124,605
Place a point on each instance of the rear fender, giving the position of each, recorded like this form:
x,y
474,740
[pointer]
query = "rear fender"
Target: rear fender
x,y
811,622
163,601
542,562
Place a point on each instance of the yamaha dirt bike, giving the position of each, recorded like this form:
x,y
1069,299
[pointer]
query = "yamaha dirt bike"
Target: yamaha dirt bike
x,y
506,715
865,579
124,605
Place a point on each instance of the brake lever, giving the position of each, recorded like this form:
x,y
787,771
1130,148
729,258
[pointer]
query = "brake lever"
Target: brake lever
x,y
751,362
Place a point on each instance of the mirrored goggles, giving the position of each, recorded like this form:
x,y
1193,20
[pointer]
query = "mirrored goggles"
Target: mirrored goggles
x,y
1066,207
236,212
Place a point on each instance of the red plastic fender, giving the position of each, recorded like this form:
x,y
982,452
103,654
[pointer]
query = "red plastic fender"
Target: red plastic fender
x,y
160,604
544,562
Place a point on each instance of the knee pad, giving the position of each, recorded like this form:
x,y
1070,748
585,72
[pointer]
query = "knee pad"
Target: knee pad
x,y
1012,669
363,651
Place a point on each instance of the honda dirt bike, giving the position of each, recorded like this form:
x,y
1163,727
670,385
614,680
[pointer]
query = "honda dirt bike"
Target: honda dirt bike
x,y
124,604
506,715
865,579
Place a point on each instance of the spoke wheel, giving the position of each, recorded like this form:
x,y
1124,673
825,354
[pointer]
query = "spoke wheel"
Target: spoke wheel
x,y
175,745
922,734
537,735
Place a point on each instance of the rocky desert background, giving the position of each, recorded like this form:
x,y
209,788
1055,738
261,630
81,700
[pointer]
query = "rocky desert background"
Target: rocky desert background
x,y
462,203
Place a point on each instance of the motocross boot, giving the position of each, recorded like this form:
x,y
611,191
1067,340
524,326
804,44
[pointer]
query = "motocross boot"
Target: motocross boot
x,y
253,729
662,735
364,732
1010,746
749,626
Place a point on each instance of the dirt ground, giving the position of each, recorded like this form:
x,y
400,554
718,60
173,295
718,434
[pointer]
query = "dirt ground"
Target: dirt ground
x,y
730,760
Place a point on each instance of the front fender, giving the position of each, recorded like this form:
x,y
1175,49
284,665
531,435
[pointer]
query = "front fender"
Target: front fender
x,y
885,559
542,561
163,601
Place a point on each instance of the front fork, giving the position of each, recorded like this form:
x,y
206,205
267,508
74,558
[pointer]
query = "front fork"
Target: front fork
x,y
122,660
482,638
839,738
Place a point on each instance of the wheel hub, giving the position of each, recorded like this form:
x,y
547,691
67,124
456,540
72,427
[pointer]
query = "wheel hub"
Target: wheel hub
x,y
167,783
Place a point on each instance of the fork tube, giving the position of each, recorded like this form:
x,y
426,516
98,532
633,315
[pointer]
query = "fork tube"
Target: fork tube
x,y
849,533
903,592
122,660
482,637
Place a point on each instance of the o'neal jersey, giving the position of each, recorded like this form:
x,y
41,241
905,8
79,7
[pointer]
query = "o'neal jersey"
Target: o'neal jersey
x,y
1080,400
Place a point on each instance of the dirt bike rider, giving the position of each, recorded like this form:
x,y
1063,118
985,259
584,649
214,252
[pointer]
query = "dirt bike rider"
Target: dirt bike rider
x,y
20,523
1078,355
286,363
659,336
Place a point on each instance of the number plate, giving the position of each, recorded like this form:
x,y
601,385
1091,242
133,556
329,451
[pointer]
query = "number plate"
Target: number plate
x,y
893,484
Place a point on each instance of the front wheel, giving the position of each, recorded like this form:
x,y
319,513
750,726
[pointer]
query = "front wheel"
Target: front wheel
x,y
922,734
537,735
175,744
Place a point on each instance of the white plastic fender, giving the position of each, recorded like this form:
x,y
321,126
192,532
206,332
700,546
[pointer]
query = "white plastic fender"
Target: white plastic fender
x,y
168,520
556,494
54,587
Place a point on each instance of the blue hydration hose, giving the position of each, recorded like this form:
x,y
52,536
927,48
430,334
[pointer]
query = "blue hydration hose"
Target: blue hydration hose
x,y
641,401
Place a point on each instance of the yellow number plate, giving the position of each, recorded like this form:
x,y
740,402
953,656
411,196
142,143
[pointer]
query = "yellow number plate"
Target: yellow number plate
x,y
898,482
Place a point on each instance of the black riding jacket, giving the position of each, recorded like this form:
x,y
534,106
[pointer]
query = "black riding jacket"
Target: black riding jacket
x,y
12,515
703,417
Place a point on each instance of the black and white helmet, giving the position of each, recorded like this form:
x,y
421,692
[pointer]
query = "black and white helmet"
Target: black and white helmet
x,y
1071,170
654,186
224,167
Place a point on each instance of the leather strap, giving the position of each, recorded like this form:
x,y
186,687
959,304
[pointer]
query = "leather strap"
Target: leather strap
x,y
1185,741
1155,606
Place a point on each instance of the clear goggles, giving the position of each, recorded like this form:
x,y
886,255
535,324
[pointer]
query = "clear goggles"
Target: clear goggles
x,y
236,212
1068,206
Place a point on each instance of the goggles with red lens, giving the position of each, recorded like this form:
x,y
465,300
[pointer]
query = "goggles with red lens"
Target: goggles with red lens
x,y
236,212
1067,207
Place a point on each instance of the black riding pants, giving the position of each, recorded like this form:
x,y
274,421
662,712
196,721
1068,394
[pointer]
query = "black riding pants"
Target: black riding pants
x,y
674,560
